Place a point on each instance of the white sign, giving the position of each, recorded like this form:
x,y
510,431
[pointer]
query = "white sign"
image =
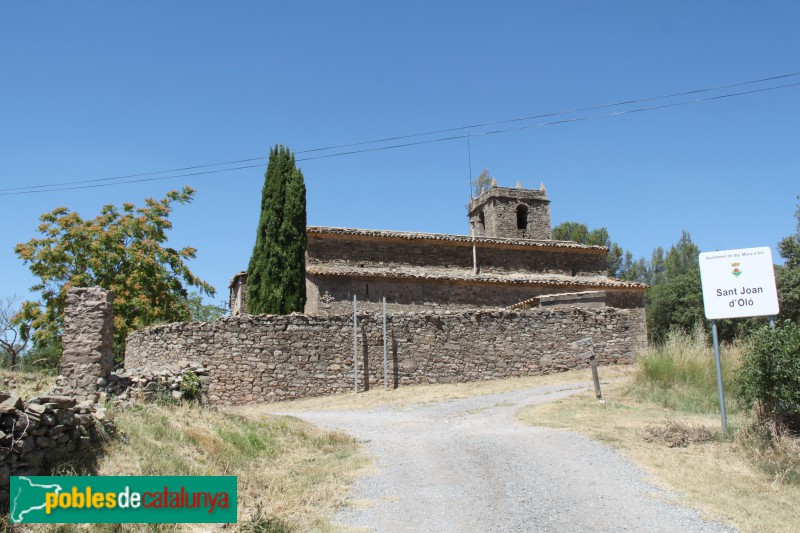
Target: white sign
x,y
738,283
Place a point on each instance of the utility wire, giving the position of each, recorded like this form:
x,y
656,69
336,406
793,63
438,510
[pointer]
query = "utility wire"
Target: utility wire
x,y
554,114
32,189
412,135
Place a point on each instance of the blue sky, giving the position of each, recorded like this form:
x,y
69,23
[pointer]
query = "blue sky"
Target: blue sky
x,y
92,90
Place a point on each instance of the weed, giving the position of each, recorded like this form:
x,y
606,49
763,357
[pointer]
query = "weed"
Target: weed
x,y
773,448
681,374
190,386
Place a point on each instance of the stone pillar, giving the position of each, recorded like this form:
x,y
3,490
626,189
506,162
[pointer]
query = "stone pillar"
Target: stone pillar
x,y
87,341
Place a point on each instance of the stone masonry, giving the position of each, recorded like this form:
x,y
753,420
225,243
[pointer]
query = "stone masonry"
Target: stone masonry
x,y
37,434
87,342
508,258
265,358
502,212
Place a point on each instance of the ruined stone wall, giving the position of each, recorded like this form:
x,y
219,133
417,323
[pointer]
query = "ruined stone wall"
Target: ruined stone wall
x,y
87,342
37,434
270,358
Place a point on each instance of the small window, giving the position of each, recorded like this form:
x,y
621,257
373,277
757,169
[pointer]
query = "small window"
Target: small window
x,y
522,217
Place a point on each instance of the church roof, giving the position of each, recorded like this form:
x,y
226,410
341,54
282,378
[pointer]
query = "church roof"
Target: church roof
x,y
445,238
466,275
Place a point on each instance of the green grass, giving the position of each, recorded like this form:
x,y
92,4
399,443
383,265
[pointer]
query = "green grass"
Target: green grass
x,y
681,375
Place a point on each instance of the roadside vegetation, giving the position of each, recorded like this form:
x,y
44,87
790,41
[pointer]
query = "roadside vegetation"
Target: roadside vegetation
x,y
291,475
666,418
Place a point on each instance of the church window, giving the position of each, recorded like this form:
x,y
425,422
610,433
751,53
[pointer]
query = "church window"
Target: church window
x,y
522,217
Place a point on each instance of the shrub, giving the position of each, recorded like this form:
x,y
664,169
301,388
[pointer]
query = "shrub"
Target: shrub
x,y
770,374
190,386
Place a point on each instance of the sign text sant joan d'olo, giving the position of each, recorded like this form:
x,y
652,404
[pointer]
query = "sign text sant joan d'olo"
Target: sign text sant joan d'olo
x,y
738,283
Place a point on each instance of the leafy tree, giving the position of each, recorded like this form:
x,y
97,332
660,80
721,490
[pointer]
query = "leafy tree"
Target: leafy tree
x,y
577,232
634,270
13,338
42,357
787,277
276,273
674,305
121,250
682,258
481,183
770,374
200,312
675,298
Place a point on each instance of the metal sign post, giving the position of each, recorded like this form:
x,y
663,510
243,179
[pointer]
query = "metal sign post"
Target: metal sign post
x,y
385,366
736,284
715,339
355,345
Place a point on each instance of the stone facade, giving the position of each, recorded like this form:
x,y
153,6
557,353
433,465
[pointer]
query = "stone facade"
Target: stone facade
x,y
252,359
87,342
509,258
501,212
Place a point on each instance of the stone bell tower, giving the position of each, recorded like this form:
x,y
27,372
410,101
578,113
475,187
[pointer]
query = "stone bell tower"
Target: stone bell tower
x,y
503,212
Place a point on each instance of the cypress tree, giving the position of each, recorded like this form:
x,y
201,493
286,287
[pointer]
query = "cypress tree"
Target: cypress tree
x,y
276,273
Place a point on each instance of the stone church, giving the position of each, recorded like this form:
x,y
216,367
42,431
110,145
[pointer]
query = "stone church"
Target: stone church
x,y
508,261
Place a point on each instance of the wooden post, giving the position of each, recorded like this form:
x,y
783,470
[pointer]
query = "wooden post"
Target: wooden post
x,y
385,364
593,363
355,345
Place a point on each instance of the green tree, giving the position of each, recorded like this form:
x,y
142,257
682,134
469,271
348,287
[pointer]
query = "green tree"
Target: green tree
x,y
577,232
770,374
787,277
676,304
201,312
121,250
276,273
675,298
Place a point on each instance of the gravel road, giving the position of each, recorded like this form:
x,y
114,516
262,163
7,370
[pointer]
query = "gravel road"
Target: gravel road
x,y
468,465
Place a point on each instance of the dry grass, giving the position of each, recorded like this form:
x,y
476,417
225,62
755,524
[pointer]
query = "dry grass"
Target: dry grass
x,y
421,394
289,472
25,384
717,476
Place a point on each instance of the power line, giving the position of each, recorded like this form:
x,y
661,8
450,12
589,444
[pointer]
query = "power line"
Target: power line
x,y
557,113
32,189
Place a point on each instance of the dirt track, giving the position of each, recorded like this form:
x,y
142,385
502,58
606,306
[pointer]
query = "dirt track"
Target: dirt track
x,y
468,465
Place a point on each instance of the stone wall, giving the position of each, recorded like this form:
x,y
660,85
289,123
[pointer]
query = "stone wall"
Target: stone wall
x,y
266,358
87,342
492,257
415,295
494,213
36,434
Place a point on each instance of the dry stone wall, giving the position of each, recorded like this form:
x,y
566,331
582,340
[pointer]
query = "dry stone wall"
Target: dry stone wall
x,y
265,358
87,342
36,434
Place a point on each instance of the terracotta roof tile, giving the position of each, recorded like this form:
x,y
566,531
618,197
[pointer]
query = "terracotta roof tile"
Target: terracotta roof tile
x,y
444,237
454,274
